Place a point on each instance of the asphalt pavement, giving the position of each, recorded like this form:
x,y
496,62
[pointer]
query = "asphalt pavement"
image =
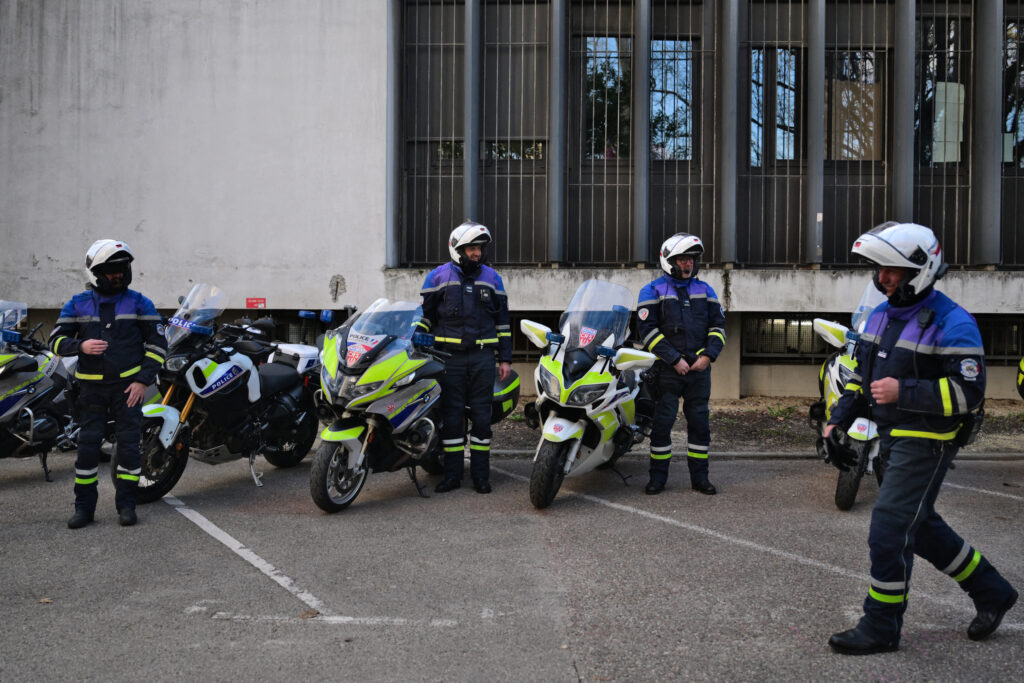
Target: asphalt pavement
x,y
226,581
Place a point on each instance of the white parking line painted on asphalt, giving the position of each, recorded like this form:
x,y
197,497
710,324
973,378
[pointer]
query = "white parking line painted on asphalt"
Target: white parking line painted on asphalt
x,y
323,614
985,491
735,540
249,556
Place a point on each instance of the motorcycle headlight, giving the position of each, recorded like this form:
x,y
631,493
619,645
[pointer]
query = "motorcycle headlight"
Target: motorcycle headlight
x,y
351,390
329,380
548,383
176,363
844,375
586,394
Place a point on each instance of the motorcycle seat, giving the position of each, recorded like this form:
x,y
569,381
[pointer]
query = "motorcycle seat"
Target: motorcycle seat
x,y
22,364
259,352
277,377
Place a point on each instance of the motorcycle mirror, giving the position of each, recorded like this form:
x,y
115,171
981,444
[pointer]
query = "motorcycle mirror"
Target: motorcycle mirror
x,y
535,332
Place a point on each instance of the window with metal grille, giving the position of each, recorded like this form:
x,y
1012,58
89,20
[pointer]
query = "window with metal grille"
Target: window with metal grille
x,y
432,125
781,338
1003,339
1012,211
941,113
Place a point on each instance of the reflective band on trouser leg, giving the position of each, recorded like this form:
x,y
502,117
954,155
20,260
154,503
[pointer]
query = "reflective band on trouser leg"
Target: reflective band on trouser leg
x,y
888,592
86,477
661,452
697,451
965,568
479,446
128,475
453,445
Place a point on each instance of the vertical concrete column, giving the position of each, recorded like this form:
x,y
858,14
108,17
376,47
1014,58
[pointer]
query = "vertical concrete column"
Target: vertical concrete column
x,y
641,123
814,195
727,127
558,99
987,134
903,112
472,114
393,149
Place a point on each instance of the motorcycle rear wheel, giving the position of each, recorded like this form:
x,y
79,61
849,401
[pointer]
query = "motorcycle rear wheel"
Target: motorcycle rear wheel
x,y
332,484
548,473
292,452
849,482
161,468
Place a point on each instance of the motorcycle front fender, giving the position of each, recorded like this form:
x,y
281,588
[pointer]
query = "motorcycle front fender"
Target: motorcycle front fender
x,y
559,430
347,433
170,417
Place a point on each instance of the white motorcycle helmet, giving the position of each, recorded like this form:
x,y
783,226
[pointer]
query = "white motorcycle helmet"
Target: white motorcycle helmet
x,y
909,246
106,256
680,244
463,236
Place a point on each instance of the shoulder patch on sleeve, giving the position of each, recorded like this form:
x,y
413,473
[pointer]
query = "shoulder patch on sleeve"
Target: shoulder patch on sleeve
x,y
642,313
969,368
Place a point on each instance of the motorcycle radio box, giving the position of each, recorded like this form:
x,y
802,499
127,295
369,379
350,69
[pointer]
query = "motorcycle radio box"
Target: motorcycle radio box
x,y
302,357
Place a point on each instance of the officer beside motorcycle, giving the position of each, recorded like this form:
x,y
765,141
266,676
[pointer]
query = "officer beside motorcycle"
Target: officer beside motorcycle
x,y
466,308
118,337
683,324
920,372
1020,378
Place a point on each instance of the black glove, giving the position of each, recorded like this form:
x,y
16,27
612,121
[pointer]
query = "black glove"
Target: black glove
x,y
840,455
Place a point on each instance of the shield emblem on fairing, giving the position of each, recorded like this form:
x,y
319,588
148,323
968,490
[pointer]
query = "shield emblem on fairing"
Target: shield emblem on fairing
x,y
587,335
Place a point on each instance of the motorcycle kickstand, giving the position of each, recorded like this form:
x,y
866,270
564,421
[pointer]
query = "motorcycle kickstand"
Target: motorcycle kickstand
x,y
415,481
624,477
256,476
46,469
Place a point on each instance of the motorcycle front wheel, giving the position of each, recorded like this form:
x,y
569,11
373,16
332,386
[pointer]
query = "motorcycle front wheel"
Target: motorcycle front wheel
x,y
548,472
161,468
332,483
849,482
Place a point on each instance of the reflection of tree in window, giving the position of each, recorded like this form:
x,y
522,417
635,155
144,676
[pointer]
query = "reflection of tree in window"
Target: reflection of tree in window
x,y
1013,104
608,82
853,106
774,102
672,99
939,97
756,107
785,118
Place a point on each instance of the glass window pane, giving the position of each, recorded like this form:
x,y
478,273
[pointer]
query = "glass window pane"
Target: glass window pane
x,y
785,105
672,63
756,107
608,79
854,106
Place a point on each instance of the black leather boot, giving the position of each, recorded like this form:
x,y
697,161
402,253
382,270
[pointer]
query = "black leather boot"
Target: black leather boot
x,y
988,620
856,642
126,516
80,518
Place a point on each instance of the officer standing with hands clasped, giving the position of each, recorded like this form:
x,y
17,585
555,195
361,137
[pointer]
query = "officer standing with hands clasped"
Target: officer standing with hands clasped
x,y
466,308
117,335
682,323
920,373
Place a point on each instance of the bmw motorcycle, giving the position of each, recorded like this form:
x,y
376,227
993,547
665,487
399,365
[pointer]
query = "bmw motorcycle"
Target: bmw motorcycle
x,y
862,437
379,396
220,400
34,409
588,386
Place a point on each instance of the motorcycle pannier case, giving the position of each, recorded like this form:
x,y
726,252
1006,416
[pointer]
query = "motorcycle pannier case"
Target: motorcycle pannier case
x,y
506,397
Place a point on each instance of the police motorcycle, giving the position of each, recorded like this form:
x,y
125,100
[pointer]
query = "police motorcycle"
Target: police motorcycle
x,y
588,385
862,438
34,410
220,400
379,398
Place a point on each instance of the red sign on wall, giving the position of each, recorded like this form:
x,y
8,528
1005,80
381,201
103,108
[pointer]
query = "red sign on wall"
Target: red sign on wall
x,y
256,302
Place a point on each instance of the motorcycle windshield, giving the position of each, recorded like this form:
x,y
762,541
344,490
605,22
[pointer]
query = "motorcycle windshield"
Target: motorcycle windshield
x,y
196,314
382,322
869,300
12,313
598,315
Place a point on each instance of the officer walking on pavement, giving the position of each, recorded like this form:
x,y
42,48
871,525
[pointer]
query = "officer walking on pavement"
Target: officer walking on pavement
x,y
117,335
920,373
682,323
466,308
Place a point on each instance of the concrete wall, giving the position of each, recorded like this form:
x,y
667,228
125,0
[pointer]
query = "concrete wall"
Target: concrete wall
x,y
240,143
